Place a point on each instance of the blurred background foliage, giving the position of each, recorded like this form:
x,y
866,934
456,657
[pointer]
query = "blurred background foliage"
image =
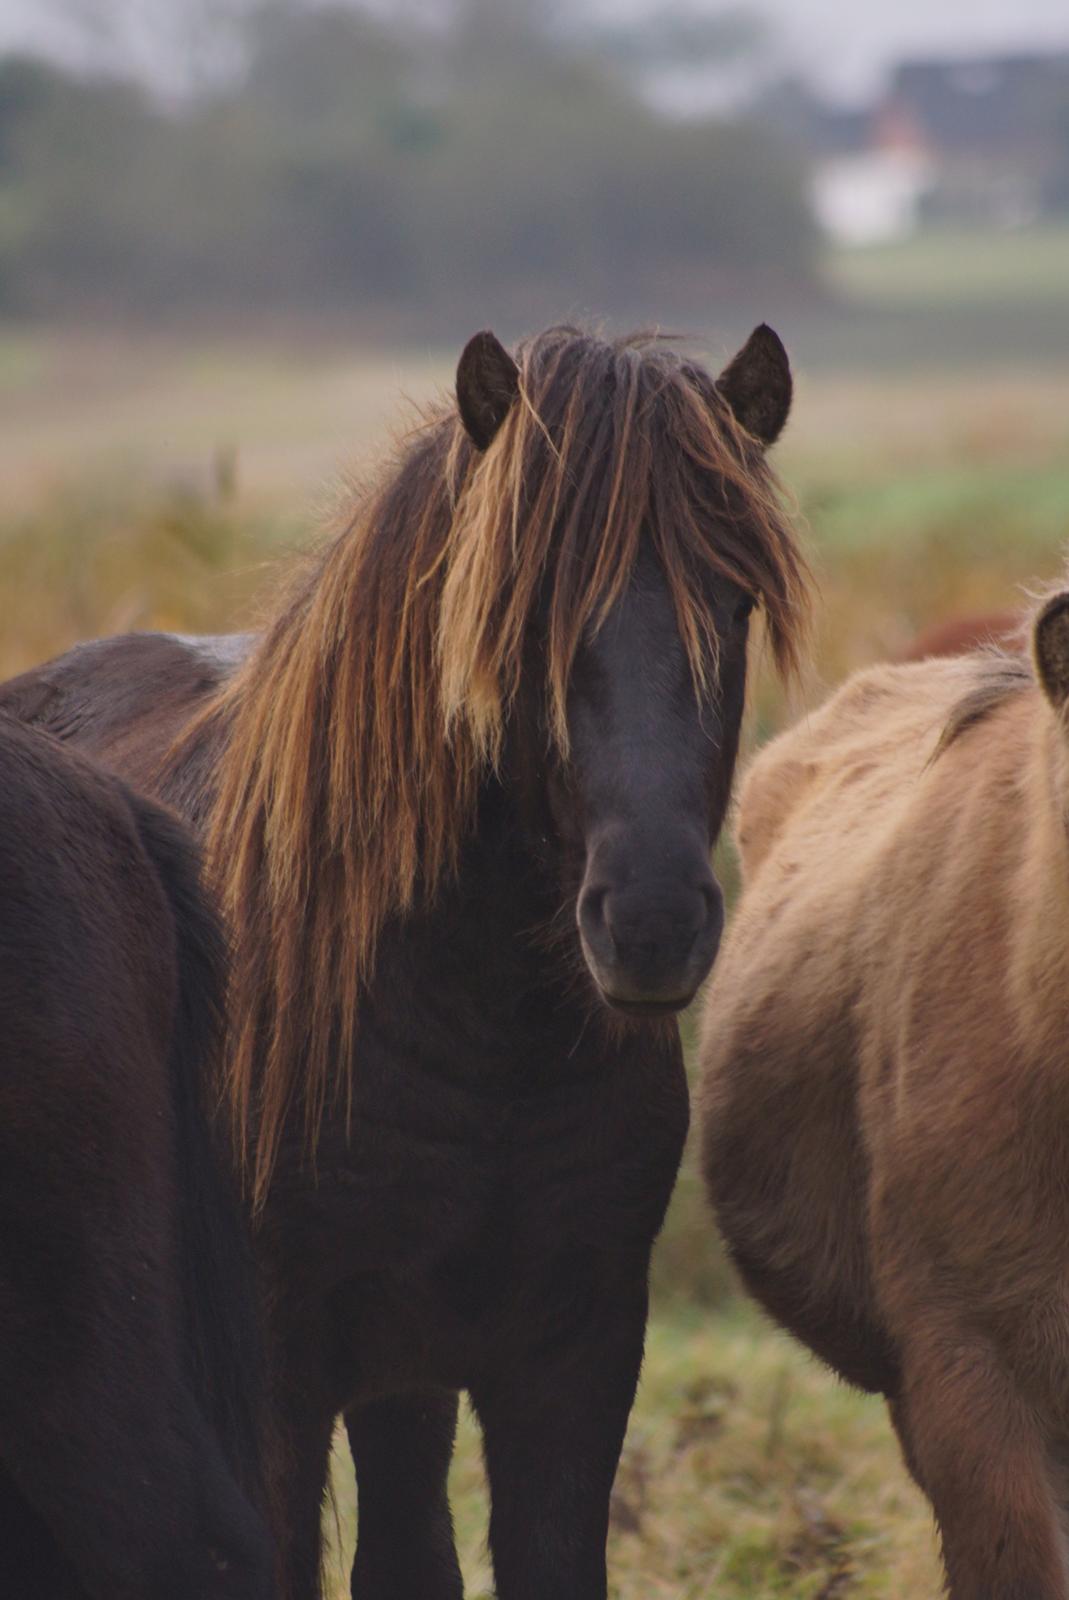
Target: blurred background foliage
x,y
354,158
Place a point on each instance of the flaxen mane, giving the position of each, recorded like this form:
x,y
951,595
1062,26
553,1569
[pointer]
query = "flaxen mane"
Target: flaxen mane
x,y
365,721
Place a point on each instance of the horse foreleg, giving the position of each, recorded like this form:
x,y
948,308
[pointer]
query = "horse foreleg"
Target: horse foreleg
x,y
32,1567
552,1430
976,1448
401,1449
299,1463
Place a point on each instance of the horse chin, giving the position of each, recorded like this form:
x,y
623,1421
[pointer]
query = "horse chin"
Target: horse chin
x,y
650,1010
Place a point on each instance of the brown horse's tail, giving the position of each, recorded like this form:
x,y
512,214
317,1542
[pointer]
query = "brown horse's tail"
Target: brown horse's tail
x,y
219,1290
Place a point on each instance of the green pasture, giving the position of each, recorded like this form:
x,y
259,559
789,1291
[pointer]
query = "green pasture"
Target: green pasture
x,y
952,267
946,300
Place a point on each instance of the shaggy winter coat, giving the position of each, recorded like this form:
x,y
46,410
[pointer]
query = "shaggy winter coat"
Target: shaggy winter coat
x,y
886,1095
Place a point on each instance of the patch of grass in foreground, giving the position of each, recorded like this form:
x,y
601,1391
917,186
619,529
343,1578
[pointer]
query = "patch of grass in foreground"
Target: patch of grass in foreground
x,y
748,1472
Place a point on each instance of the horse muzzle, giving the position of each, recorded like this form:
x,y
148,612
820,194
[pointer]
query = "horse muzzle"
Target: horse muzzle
x,y
649,948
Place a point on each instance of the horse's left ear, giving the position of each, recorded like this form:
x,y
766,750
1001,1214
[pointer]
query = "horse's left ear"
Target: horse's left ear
x,y
757,385
488,381
1050,647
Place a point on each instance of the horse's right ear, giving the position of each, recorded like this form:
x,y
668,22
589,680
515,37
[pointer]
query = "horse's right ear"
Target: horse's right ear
x,y
1050,647
488,381
757,385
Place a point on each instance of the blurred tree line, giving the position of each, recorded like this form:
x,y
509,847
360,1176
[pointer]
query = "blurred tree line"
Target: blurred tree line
x,y
390,162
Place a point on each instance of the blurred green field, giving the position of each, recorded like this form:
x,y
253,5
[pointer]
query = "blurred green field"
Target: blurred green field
x,y
952,267
150,485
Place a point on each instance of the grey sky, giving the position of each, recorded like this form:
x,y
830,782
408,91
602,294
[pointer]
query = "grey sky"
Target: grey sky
x,y
847,44
844,44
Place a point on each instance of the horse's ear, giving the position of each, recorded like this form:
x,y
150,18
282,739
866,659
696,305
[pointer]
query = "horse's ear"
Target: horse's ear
x,y
1050,646
488,381
757,385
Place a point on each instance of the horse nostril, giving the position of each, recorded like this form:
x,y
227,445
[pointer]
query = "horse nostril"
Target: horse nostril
x,y
593,915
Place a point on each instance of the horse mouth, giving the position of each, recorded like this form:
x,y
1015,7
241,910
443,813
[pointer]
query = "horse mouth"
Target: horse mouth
x,y
647,1008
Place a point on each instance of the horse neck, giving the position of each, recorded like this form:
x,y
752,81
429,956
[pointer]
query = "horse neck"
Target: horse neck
x,y
490,973
485,978
1039,944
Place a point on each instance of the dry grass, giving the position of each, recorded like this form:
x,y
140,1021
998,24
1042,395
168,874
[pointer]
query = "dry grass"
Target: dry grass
x,y
74,406
146,487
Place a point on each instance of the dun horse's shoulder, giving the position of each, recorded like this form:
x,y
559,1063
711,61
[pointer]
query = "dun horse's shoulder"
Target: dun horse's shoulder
x,y
876,706
880,718
765,802
884,691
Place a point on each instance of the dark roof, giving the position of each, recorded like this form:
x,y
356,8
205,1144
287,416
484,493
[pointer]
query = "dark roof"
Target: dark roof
x,y
986,103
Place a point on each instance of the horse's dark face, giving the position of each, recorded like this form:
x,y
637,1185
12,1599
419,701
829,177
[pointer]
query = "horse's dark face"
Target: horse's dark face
x,y
636,806
644,794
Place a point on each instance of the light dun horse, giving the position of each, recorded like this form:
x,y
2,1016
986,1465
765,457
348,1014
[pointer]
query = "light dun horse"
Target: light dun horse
x,y
886,1079
460,799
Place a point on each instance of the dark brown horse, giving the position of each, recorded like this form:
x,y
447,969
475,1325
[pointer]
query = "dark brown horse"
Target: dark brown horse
x,y
460,798
128,1421
956,636
886,1087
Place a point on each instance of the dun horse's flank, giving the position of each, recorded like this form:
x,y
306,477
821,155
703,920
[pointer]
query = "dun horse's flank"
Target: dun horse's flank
x,y
460,799
129,1424
886,1095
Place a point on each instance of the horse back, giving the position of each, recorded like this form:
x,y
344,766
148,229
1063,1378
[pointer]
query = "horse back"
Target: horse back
x,y
847,758
124,700
216,1260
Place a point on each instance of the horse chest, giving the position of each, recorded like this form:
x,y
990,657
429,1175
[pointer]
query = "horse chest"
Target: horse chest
x,y
457,1228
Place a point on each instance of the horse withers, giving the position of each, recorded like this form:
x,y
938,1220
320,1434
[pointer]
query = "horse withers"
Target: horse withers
x,y
885,1101
129,1425
459,800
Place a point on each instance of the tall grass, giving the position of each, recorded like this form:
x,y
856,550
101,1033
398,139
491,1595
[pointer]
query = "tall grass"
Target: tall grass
x,y
102,557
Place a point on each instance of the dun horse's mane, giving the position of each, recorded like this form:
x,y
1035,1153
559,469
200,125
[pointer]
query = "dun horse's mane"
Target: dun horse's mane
x,y
997,674
361,728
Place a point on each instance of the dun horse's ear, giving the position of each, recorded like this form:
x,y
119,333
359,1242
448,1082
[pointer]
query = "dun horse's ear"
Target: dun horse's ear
x,y
1050,646
488,381
757,385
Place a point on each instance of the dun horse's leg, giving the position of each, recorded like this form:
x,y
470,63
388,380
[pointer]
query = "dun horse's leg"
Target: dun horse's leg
x,y
552,1432
977,1451
402,1448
